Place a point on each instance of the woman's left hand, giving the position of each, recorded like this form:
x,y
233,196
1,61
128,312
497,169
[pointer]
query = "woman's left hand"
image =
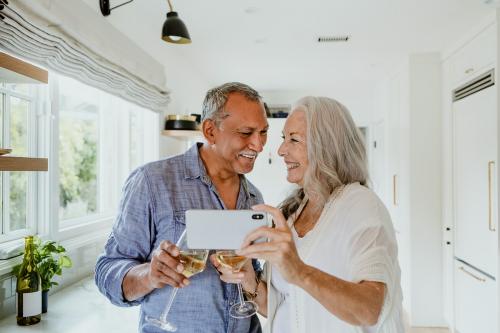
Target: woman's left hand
x,y
280,250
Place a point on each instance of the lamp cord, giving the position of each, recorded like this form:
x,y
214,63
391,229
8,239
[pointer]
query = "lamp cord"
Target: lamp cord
x,y
120,5
170,5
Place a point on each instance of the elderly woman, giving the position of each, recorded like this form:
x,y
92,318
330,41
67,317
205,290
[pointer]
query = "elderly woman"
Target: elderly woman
x,y
331,259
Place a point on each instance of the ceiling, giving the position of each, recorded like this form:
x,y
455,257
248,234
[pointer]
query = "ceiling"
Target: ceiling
x,y
272,45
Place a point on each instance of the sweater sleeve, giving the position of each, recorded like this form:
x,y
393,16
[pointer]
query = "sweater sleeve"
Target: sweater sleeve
x,y
374,255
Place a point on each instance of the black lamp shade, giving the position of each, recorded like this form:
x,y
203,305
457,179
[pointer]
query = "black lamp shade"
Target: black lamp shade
x,y
174,30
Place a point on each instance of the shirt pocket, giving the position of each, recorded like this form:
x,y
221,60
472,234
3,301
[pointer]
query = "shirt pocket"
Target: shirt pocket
x,y
179,223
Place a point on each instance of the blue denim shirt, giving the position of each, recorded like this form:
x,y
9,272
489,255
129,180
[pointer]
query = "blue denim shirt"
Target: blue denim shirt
x,y
155,199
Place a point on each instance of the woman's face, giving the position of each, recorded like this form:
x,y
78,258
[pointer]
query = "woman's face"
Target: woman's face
x,y
294,147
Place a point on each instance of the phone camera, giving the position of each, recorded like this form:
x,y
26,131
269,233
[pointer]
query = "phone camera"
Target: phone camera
x,y
257,216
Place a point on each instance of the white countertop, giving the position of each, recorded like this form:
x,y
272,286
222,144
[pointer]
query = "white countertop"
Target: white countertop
x,y
79,308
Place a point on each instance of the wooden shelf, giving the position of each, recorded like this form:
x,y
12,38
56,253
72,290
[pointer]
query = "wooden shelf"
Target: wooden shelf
x,y
13,70
182,134
14,163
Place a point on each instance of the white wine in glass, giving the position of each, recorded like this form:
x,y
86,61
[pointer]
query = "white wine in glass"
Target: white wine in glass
x,y
230,259
194,262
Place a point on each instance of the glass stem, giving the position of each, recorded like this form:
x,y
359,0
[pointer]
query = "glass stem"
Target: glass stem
x,y
240,294
169,305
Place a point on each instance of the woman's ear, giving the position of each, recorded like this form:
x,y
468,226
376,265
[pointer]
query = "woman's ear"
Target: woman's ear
x,y
208,128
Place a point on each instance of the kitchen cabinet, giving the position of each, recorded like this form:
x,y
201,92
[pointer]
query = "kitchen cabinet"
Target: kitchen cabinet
x,y
475,301
474,164
470,207
476,56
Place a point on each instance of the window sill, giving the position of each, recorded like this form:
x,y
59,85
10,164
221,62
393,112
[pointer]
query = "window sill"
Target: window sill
x,y
97,226
71,238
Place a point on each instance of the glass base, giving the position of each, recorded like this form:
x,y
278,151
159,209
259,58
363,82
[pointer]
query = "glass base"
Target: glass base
x,y
243,310
164,325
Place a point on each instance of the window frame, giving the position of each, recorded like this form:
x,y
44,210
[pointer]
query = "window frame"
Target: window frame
x,y
32,190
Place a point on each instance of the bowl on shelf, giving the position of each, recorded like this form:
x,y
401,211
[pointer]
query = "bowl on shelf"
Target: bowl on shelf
x,y
5,151
181,122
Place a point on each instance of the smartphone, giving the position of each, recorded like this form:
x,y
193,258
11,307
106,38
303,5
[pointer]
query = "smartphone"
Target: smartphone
x,y
222,229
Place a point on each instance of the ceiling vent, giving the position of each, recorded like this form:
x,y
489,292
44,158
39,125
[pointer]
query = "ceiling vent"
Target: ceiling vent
x,y
331,39
475,85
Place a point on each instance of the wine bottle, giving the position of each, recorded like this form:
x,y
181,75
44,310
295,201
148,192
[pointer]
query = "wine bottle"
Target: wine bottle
x,y
28,288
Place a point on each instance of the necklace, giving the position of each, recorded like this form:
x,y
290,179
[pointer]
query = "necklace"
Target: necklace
x,y
308,217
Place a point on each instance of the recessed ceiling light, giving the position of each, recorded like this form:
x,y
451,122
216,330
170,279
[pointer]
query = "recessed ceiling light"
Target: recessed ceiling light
x,y
251,10
260,41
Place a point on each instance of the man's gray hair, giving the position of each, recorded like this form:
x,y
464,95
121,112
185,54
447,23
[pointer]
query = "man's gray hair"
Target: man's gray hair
x,y
216,98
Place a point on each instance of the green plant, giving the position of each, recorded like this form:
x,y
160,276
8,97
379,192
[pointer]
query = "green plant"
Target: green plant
x,y
50,259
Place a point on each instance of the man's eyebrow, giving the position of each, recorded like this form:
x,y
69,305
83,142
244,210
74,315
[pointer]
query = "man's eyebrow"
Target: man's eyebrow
x,y
251,128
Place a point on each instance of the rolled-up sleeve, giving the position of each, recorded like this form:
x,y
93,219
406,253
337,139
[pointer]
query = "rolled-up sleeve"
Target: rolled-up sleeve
x,y
131,239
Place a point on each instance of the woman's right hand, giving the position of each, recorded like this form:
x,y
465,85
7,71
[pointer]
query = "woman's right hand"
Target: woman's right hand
x,y
246,275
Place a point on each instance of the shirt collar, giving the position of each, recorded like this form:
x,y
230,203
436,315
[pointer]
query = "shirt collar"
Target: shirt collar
x,y
194,168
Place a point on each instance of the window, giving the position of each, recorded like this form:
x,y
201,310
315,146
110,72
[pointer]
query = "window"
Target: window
x,y
78,150
18,132
93,141
102,138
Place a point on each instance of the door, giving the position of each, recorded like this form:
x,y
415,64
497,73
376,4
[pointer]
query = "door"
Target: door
x,y
475,170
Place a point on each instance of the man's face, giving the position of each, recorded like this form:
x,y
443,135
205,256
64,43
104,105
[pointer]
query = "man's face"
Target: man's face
x,y
242,135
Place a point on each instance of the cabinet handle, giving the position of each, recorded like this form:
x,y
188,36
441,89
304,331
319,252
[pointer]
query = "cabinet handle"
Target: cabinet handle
x,y
469,70
472,274
491,227
394,197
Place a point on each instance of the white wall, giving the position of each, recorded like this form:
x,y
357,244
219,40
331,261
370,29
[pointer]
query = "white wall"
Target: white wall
x,y
425,184
410,101
358,98
187,92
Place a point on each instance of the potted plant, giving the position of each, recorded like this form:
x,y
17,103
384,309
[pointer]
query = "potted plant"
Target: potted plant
x,y
50,259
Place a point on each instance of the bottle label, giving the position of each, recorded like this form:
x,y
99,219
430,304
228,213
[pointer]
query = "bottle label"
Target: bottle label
x,y
32,304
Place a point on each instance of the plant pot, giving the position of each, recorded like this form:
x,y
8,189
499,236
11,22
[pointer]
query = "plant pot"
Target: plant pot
x,y
45,300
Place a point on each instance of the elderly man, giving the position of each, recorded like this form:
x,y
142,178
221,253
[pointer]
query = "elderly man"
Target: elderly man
x,y
140,262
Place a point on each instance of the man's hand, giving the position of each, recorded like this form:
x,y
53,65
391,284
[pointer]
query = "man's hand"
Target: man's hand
x,y
165,267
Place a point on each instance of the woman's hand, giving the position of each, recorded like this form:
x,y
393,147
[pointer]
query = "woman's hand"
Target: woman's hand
x,y
246,275
280,250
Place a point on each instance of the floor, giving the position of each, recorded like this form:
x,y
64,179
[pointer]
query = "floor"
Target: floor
x,y
81,309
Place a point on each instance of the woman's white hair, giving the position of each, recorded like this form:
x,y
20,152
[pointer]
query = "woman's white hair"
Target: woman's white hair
x,y
335,150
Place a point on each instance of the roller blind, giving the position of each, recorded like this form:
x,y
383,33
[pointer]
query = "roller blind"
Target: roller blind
x,y
33,31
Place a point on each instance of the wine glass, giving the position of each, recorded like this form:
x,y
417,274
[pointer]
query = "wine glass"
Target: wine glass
x,y
194,262
230,259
